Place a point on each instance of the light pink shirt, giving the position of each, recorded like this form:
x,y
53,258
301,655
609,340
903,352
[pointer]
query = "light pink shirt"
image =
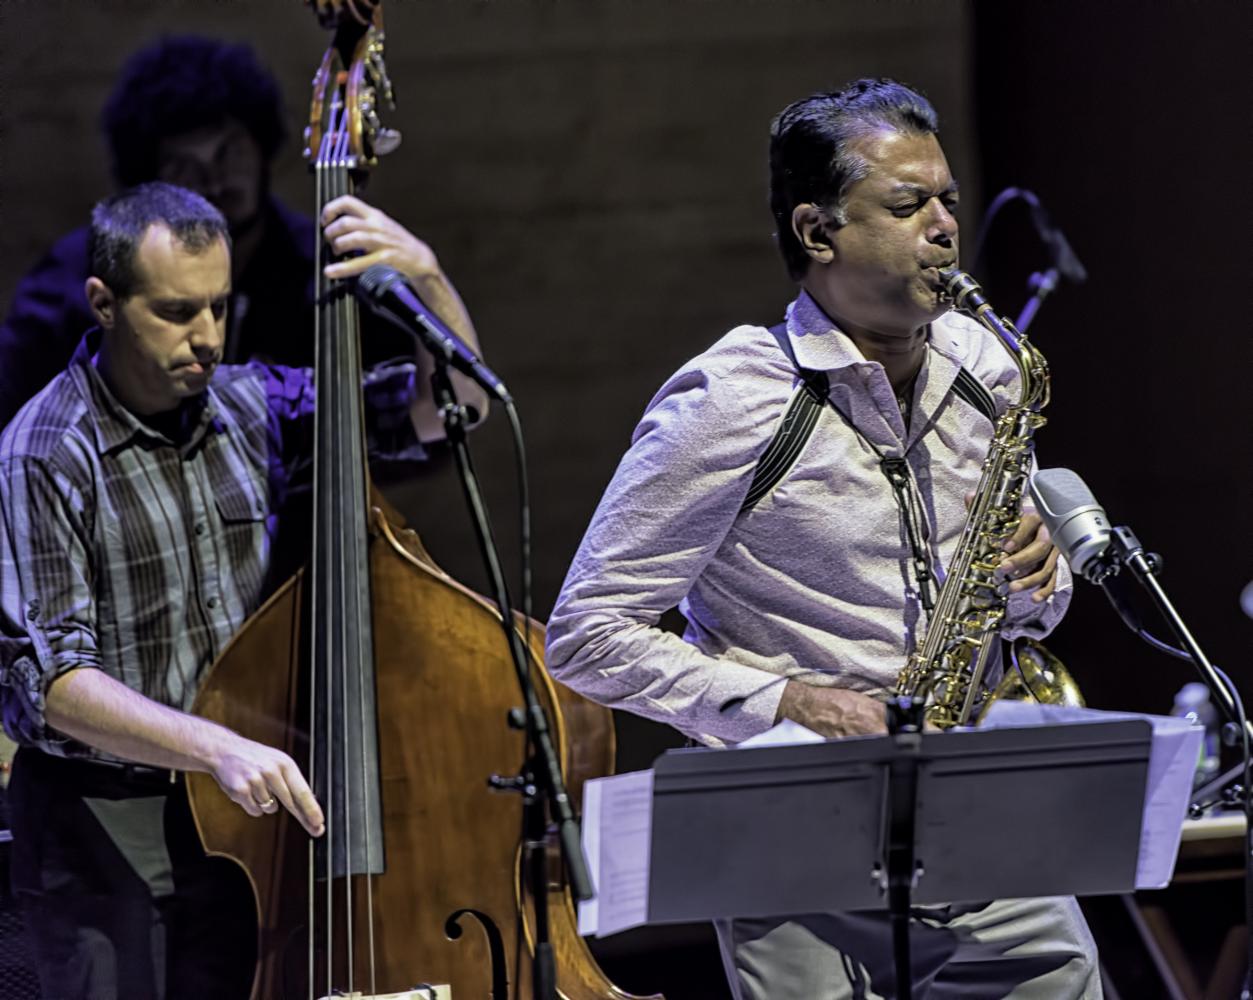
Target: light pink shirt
x,y
814,582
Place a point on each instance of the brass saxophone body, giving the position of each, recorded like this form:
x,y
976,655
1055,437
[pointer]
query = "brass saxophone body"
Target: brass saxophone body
x,y
947,672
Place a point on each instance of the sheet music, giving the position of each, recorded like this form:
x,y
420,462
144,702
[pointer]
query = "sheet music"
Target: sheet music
x,y
617,836
617,811
1172,763
782,734
622,807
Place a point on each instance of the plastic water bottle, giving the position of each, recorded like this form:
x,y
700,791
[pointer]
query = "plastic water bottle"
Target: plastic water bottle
x,y
1192,702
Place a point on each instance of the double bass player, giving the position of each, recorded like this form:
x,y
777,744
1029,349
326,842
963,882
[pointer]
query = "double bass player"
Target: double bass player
x,y
139,495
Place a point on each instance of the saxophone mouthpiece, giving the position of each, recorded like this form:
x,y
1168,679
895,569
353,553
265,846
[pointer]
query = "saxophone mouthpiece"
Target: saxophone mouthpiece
x,y
962,290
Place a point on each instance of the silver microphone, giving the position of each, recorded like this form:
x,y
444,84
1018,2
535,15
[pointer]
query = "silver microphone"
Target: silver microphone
x,y
1076,522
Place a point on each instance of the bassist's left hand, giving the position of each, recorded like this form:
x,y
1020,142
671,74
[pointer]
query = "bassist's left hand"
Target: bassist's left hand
x,y
349,224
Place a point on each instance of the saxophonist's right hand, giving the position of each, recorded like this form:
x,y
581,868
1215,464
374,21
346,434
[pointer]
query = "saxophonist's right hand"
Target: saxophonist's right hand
x,y
1033,563
832,711
1031,557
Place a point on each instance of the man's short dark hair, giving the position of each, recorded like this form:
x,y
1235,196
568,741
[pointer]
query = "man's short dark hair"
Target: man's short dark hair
x,y
181,83
119,222
811,154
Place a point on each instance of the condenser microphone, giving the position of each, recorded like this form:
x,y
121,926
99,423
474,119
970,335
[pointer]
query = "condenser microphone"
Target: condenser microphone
x,y
1076,522
386,291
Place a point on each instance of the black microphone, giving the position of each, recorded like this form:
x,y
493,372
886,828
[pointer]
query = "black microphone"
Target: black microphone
x,y
386,291
1076,522
1060,250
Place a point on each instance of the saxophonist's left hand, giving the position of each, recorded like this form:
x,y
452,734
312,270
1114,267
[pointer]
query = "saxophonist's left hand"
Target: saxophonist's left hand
x,y
1031,559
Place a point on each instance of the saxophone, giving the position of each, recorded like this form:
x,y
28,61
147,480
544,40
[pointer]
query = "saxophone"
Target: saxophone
x,y
946,674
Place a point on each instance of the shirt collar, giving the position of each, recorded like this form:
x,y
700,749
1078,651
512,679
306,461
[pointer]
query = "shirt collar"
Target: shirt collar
x,y
112,423
818,344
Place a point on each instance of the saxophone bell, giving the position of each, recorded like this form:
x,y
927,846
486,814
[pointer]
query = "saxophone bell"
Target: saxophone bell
x,y
1034,674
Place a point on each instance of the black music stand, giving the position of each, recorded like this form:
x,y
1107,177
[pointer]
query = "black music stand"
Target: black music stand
x,y
1003,813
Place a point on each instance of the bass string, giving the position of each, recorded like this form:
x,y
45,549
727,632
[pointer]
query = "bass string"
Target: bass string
x,y
336,584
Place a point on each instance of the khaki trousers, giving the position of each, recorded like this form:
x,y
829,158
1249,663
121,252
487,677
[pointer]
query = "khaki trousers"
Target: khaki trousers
x,y
1027,949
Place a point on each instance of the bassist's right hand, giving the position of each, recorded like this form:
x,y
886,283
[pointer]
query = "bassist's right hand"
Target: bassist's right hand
x,y
260,779
94,708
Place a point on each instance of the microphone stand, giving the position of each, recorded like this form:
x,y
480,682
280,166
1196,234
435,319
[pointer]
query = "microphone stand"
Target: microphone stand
x,y
540,781
1064,261
905,718
1125,550
1042,284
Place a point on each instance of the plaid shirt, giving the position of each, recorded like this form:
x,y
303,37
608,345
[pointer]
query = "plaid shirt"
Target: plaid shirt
x,y
141,553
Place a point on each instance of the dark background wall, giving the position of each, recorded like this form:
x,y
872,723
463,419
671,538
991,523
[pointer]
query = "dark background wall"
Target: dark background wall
x,y
592,174
1131,122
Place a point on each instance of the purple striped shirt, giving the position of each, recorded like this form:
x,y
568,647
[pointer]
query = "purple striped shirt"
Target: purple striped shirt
x,y
814,582
140,553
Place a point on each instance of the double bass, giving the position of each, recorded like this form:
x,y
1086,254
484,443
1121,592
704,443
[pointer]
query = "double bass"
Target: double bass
x,y
391,685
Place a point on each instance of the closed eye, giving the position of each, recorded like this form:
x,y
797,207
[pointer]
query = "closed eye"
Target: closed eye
x,y
905,211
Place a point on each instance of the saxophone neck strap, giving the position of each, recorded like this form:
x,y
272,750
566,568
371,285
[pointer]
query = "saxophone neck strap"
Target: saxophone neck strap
x,y
793,430
801,417
797,424
896,470
968,388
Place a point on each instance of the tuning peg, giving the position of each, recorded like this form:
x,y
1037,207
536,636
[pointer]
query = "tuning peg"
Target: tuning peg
x,y
385,141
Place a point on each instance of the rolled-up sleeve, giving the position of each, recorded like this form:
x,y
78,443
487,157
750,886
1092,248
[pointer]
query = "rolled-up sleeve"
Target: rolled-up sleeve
x,y
669,507
47,607
1036,619
389,391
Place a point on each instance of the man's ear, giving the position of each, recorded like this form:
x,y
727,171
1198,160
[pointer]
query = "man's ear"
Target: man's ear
x,y
811,226
102,301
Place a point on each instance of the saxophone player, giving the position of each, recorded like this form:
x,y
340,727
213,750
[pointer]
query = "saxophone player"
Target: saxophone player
x,y
806,572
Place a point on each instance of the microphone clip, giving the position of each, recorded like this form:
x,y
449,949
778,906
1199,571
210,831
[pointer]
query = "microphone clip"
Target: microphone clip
x,y
1124,549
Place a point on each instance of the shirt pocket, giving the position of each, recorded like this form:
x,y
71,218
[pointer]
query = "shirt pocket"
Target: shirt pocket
x,y
244,547
243,512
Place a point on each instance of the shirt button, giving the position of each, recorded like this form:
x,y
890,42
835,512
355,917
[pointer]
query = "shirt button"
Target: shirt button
x,y
200,527
212,602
